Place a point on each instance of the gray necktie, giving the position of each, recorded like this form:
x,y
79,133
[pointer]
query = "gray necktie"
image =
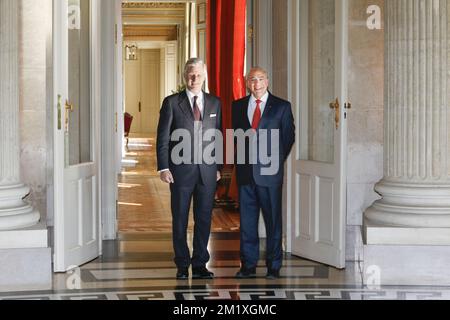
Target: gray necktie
x,y
197,113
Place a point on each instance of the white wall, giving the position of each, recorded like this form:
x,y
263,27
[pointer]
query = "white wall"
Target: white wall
x,y
279,48
276,60
35,103
109,134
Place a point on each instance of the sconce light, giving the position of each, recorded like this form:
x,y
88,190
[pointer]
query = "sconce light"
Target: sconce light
x,y
131,52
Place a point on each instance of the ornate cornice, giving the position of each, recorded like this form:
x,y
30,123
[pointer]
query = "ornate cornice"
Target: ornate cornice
x,y
147,32
153,5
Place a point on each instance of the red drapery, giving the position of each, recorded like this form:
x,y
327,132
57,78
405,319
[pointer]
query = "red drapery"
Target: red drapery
x,y
226,39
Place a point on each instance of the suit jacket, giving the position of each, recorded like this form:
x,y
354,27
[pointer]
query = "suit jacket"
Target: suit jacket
x,y
176,113
277,115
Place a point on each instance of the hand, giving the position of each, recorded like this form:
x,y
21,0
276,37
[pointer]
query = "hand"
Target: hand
x,y
166,176
219,176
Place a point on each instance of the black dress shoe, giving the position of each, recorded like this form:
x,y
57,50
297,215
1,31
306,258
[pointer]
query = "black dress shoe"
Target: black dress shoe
x,y
246,273
183,274
273,274
202,273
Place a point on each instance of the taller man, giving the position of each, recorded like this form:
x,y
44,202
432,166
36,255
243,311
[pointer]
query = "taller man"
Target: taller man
x,y
260,189
190,112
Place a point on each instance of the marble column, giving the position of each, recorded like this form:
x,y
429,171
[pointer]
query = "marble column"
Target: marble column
x,y
15,213
415,190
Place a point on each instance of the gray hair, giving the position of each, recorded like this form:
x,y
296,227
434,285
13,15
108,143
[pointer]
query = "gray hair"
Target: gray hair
x,y
257,69
193,62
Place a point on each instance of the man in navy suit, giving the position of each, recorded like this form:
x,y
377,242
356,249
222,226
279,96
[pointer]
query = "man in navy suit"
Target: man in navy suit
x,y
260,181
187,115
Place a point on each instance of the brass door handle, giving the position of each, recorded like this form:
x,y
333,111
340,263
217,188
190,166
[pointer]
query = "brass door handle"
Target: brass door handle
x,y
69,108
337,108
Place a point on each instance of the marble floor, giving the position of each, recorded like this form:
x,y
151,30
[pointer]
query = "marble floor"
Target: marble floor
x,y
139,266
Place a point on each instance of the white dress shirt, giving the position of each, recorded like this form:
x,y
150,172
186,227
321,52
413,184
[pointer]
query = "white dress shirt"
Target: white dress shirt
x,y
252,106
200,100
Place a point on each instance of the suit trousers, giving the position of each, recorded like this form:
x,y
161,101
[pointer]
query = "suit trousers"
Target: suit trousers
x,y
253,199
203,200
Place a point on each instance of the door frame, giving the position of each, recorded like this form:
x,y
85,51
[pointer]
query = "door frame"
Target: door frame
x,y
295,81
60,24
113,148
112,129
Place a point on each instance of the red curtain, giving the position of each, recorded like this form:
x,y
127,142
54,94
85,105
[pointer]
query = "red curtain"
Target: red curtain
x,y
226,39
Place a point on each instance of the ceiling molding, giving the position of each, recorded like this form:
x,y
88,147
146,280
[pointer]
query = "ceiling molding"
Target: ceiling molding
x,y
174,17
153,5
154,13
148,32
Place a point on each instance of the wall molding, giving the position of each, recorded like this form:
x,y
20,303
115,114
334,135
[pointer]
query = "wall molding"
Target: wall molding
x,y
153,5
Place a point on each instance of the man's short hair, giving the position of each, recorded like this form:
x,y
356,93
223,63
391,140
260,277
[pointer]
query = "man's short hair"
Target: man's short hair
x,y
193,62
256,69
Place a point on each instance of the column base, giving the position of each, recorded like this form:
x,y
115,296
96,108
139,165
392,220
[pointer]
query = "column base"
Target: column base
x,y
14,212
26,259
379,234
32,237
406,265
411,205
25,269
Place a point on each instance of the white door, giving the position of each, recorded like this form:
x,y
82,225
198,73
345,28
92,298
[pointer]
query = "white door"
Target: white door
x,y
76,133
150,90
319,197
142,85
133,104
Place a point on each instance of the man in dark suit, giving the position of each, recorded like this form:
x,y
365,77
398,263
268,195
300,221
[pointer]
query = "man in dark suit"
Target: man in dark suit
x,y
260,178
188,114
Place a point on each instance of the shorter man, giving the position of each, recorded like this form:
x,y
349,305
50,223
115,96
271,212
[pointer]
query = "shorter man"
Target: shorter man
x,y
258,191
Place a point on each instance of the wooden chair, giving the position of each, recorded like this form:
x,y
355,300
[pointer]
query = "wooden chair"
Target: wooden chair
x,y
128,119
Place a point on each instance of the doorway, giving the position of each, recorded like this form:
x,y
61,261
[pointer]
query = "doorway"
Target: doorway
x,y
142,90
158,39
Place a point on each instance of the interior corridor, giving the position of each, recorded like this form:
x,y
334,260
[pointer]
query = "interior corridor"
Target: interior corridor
x,y
144,200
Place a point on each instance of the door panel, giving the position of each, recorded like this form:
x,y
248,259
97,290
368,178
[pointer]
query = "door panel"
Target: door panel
x,y
325,210
133,92
305,186
76,153
142,85
73,241
319,211
150,90
88,214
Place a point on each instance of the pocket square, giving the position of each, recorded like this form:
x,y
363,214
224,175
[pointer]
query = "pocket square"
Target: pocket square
x,y
213,115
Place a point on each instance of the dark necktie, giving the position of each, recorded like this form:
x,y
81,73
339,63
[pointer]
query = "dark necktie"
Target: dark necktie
x,y
257,115
197,114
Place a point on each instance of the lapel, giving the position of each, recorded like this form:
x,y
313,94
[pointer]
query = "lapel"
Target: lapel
x,y
185,105
206,107
247,123
268,108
